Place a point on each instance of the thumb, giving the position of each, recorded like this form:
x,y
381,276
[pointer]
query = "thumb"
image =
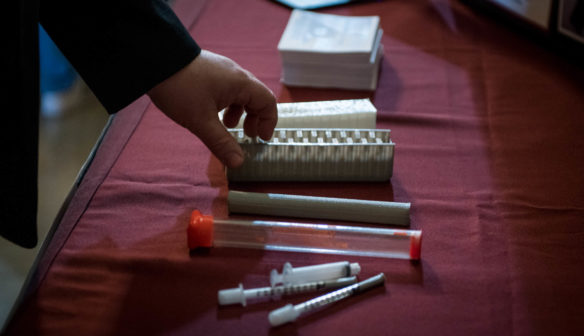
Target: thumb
x,y
216,137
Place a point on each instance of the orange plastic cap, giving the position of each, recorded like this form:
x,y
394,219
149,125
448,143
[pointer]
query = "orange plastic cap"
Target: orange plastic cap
x,y
416,245
200,230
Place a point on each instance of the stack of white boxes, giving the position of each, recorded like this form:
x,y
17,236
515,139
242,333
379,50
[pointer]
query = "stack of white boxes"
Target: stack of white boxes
x,y
331,51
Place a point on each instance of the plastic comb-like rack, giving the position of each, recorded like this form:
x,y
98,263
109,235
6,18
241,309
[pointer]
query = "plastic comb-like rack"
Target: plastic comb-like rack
x,y
349,113
316,155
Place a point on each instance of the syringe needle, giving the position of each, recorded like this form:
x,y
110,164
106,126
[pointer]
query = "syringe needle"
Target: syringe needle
x,y
290,313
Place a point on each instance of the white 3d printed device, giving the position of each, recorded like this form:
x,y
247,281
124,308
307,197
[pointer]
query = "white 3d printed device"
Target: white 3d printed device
x,y
348,113
326,154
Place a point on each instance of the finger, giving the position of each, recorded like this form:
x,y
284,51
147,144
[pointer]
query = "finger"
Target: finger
x,y
220,142
232,115
250,125
265,126
260,105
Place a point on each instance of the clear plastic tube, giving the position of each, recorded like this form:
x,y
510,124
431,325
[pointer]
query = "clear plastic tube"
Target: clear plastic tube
x,y
205,231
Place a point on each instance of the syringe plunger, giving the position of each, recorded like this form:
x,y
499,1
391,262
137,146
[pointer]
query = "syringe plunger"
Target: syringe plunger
x,y
240,295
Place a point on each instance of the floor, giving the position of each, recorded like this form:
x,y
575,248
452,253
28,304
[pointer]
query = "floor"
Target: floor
x,y
65,141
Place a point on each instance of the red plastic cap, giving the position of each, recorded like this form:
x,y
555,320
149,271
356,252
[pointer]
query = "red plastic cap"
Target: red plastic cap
x,y
200,230
416,245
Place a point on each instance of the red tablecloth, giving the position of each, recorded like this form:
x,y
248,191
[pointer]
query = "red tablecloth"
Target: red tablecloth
x,y
489,140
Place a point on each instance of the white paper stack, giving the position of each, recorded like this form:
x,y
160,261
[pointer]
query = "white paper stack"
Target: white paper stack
x,y
331,51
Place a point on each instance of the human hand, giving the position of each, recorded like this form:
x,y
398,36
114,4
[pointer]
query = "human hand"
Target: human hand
x,y
194,96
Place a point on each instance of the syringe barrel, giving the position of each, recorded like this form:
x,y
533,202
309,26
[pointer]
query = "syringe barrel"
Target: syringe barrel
x,y
301,237
296,275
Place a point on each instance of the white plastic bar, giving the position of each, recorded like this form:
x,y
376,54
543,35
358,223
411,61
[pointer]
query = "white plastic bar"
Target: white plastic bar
x,y
290,313
328,155
240,295
349,113
298,275
351,210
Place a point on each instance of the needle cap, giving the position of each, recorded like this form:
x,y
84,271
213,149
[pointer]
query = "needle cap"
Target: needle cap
x,y
283,315
200,230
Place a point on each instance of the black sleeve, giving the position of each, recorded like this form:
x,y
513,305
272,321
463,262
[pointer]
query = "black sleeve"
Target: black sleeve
x,y
121,48
19,126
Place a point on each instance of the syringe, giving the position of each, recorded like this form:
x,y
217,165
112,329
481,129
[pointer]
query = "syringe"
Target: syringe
x,y
205,231
297,275
290,313
240,295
